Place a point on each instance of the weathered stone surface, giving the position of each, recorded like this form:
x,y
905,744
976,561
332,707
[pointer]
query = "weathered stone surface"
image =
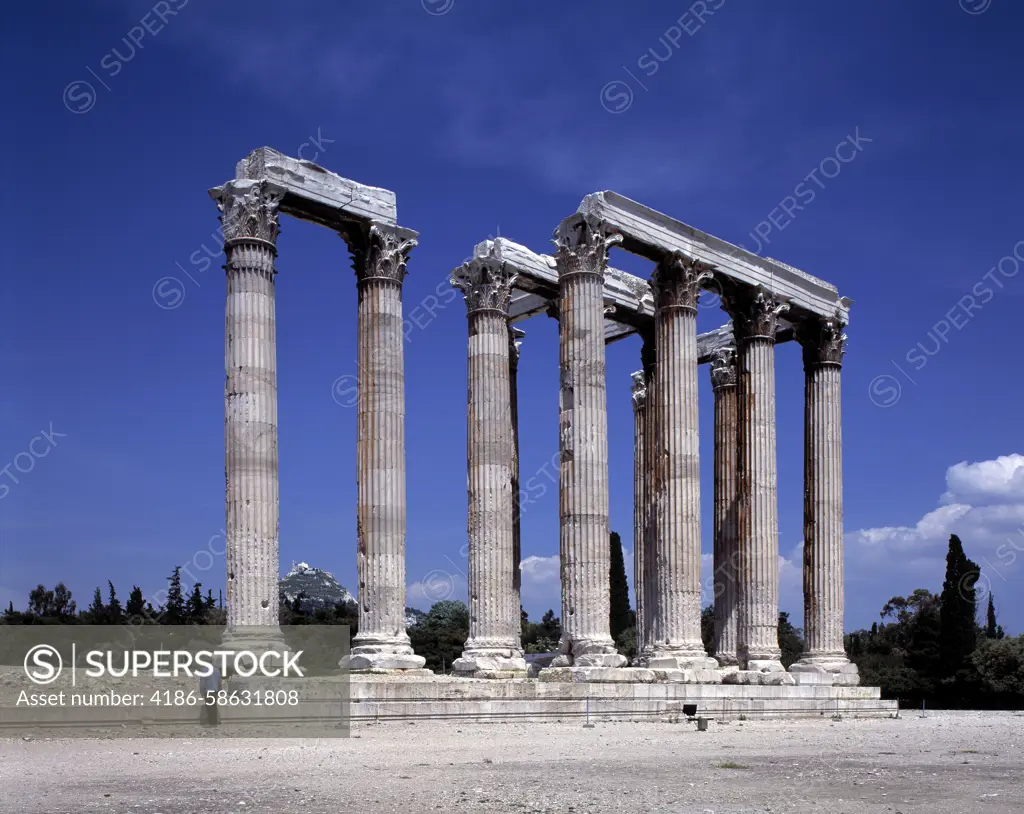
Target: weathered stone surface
x,y
583,434
628,297
676,638
823,344
249,214
493,647
755,316
598,675
313,193
640,486
379,259
764,678
652,234
726,505
382,661
708,675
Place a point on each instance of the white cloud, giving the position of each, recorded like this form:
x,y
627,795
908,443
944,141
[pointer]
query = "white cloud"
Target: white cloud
x,y
983,505
998,481
540,570
437,585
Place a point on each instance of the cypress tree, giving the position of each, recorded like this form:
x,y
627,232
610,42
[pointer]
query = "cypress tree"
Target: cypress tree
x,y
174,611
114,611
993,630
620,615
195,608
959,609
136,605
96,614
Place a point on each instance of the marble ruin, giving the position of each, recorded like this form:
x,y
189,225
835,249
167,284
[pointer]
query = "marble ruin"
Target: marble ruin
x,y
767,302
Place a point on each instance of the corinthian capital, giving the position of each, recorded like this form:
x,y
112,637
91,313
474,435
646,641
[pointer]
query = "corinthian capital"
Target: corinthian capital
x,y
823,341
486,283
676,281
723,368
248,210
583,246
379,252
639,390
755,312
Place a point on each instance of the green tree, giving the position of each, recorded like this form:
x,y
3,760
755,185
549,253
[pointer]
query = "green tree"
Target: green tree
x,y
195,608
96,614
441,635
707,628
174,611
993,630
1000,665
959,610
790,641
136,607
63,604
620,614
40,602
115,614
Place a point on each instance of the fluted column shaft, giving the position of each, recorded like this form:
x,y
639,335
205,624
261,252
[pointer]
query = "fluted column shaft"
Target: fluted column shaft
x,y
494,643
249,214
380,256
651,444
639,500
726,534
517,548
676,635
755,319
824,344
583,430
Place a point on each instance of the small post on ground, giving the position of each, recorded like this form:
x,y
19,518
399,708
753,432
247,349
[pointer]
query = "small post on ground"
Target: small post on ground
x,y
588,725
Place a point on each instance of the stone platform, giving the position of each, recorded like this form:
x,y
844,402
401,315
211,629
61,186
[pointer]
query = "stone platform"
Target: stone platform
x,y
567,698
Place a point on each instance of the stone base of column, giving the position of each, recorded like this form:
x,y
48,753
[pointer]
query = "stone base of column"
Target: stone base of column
x,y
590,654
727,662
685,657
762,677
256,638
382,654
835,665
769,665
490,662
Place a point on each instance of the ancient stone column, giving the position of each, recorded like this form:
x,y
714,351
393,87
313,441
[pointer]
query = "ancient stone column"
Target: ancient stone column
x,y
824,344
639,500
514,335
583,431
379,259
755,314
648,355
249,214
676,635
726,537
494,647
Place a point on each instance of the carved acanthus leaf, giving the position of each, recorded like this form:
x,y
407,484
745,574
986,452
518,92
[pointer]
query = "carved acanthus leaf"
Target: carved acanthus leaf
x,y
583,246
487,284
755,313
249,209
723,368
823,341
379,253
639,390
676,281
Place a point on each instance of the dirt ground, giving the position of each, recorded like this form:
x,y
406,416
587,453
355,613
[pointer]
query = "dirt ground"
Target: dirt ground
x,y
945,762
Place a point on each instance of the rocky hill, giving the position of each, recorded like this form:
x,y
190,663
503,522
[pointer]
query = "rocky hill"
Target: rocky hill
x,y
322,590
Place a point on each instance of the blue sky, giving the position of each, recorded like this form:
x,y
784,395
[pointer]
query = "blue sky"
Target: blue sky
x,y
495,118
